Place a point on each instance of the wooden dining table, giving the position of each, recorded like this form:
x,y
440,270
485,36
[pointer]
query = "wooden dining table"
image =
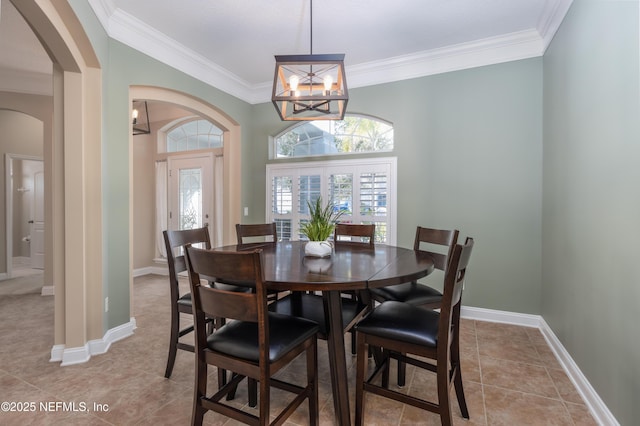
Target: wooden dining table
x,y
350,267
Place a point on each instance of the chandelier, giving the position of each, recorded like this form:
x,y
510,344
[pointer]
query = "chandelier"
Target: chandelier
x,y
310,87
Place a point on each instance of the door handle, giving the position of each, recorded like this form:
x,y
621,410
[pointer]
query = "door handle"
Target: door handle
x,y
30,221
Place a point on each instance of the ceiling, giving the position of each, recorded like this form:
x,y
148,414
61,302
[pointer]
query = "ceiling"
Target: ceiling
x,y
230,44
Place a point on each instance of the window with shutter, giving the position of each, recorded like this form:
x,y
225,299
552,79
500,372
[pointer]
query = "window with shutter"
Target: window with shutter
x,y
364,190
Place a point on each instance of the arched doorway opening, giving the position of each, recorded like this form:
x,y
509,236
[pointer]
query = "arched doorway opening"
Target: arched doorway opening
x,y
231,156
72,172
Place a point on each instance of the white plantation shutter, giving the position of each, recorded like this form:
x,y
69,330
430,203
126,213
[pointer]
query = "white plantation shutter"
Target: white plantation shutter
x,y
281,204
364,190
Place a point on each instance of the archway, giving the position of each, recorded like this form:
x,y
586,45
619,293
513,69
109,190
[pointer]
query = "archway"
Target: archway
x,y
231,155
73,171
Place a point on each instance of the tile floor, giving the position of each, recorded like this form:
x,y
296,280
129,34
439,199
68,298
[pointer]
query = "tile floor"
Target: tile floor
x,y
511,376
21,267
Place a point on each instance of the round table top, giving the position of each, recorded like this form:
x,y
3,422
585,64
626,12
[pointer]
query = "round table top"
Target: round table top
x,y
349,267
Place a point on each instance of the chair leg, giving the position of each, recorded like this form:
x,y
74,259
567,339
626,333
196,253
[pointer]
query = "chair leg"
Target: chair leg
x,y
222,377
455,365
353,342
197,415
312,379
252,385
402,373
252,390
443,396
462,403
457,377
386,358
232,392
173,342
360,378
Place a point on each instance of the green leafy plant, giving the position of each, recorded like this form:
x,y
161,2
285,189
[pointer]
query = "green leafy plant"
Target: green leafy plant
x,y
322,221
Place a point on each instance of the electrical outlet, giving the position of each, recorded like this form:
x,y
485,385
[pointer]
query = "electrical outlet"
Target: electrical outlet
x,y
106,304
246,211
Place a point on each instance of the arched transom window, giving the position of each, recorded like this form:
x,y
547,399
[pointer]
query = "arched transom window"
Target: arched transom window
x,y
353,135
194,135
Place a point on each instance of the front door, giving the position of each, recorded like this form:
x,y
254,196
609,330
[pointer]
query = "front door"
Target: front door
x,y
190,191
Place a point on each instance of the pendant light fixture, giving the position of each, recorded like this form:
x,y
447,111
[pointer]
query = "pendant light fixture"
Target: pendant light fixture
x,y
310,87
140,118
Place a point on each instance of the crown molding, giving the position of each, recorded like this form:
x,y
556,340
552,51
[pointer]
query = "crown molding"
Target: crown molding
x,y
136,34
551,18
509,47
494,50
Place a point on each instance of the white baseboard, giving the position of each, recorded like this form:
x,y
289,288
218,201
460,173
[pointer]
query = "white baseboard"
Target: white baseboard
x,y
491,315
143,271
82,354
596,406
160,268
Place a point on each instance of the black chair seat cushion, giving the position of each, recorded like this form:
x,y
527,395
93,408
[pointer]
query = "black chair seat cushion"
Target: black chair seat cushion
x,y
311,306
240,338
402,322
236,287
414,293
185,299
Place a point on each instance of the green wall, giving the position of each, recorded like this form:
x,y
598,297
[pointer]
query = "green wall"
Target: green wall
x,y
591,204
469,149
123,67
129,67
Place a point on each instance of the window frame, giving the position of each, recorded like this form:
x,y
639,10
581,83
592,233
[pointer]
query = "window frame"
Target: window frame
x,y
163,136
324,169
273,149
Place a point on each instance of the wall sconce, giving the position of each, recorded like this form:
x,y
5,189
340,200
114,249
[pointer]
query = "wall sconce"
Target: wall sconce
x,y
140,118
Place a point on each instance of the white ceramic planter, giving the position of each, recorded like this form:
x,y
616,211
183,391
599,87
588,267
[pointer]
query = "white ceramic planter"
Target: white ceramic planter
x,y
318,249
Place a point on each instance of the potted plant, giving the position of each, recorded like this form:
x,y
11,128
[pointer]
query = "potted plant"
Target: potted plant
x,y
319,227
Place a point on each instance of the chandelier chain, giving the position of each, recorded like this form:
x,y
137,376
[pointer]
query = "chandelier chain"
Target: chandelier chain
x,y
311,27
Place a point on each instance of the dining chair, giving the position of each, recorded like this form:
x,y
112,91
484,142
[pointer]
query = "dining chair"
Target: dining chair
x,y
257,344
256,233
411,334
439,244
252,236
181,301
351,234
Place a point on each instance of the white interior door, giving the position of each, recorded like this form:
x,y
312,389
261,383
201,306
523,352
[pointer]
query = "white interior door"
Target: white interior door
x,y
37,222
190,192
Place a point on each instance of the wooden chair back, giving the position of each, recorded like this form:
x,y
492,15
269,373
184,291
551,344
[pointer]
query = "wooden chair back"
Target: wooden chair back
x,y
452,294
351,233
256,233
211,265
174,241
439,243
